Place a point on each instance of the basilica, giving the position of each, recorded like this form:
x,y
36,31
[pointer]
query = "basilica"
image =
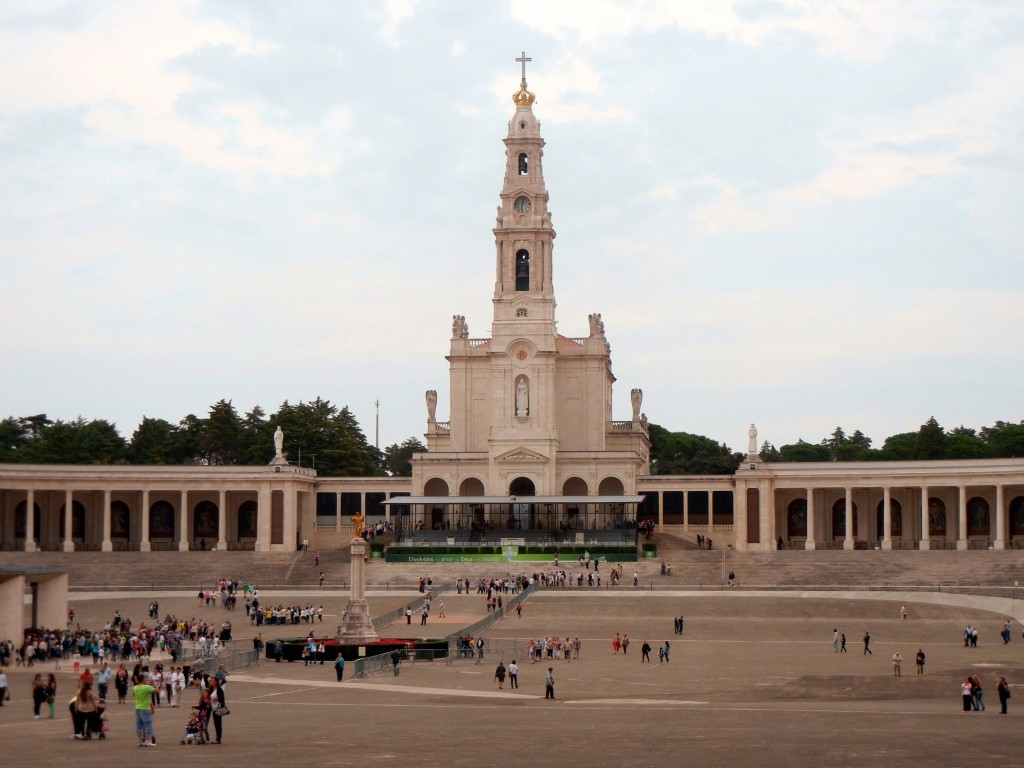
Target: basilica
x,y
530,451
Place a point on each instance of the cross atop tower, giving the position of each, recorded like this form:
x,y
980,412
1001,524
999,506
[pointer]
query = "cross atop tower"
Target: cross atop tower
x,y
523,59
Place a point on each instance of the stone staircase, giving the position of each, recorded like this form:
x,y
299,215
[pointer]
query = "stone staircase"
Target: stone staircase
x,y
691,569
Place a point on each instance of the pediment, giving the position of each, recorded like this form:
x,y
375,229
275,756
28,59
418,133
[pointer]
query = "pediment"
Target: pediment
x,y
521,454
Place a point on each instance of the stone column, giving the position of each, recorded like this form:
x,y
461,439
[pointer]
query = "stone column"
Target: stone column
x,y
69,541
290,513
183,523
144,543
711,511
925,543
766,516
358,624
810,543
661,509
848,542
30,521
961,542
263,512
887,518
1000,542
106,545
686,511
337,508
222,520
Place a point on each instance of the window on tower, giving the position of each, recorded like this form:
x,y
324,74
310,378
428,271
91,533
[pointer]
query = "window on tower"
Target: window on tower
x,y
521,312
524,164
522,270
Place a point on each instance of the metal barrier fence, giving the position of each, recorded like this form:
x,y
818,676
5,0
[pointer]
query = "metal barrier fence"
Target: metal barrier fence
x,y
379,622
373,664
231,661
492,618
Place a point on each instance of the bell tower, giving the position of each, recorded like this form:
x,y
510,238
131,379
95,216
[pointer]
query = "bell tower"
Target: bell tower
x,y
523,293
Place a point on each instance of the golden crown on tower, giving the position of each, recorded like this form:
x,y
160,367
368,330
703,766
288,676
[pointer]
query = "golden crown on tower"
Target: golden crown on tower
x,y
523,97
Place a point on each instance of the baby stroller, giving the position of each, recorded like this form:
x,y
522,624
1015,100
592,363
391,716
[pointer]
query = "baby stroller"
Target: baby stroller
x,y
195,728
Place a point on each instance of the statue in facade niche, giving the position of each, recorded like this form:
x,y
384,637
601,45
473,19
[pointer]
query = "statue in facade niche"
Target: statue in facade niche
x,y
278,443
636,396
522,398
431,404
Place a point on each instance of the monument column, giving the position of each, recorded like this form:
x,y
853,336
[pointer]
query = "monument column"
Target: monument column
x,y
925,543
106,545
848,542
69,541
358,625
30,521
144,543
183,523
886,518
810,543
961,542
1000,542
222,520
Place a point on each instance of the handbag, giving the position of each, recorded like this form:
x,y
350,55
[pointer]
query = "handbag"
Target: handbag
x,y
221,711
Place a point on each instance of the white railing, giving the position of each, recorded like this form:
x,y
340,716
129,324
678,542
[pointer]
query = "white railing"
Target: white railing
x,y
473,343
442,426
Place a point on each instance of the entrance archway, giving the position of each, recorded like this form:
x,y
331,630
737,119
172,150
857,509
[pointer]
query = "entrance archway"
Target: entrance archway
x,y
523,515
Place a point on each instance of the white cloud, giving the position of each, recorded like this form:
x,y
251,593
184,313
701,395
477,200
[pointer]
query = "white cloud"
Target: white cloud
x,y
120,71
396,12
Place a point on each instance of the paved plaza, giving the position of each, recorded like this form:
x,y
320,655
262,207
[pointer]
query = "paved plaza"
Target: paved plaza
x,y
752,681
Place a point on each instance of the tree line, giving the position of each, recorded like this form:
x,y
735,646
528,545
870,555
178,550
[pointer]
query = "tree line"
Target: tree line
x,y
1001,440
321,435
317,434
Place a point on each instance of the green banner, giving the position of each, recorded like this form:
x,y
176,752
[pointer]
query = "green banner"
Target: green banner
x,y
508,554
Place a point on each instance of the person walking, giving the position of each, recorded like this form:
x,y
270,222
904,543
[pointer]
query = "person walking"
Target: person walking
x,y
51,694
339,667
897,662
967,693
396,659
979,699
919,660
842,643
220,708
835,641
143,692
645,652
278,651
499,674
513,674
549,684
3,686
38,694
867,644
1003,689
408,614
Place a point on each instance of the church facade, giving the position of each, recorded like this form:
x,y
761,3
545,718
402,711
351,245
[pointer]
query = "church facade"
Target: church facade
x,y
531,444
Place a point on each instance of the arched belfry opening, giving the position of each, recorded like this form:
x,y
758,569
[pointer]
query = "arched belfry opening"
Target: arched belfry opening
x,y
522,270
524,164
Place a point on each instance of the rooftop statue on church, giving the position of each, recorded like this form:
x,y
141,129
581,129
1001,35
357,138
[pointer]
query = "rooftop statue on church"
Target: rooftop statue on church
x,y
431,405
596,324
636,396
460,329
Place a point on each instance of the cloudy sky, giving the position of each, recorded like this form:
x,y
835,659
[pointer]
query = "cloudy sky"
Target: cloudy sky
x,y
791,212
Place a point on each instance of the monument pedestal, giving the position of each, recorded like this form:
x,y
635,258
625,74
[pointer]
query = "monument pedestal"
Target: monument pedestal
x,y
357,628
